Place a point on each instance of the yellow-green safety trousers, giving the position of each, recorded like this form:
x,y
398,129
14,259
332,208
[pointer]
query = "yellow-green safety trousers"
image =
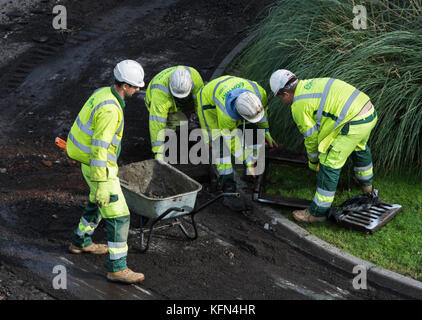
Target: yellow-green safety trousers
x,y
116,217
352,141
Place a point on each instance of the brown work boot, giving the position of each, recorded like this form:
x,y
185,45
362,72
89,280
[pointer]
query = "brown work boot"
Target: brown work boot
x,y
93,248
367,189
305,216
125,276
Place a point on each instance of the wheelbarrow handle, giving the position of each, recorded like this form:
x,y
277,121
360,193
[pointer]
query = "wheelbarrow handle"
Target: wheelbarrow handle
x,y
225,194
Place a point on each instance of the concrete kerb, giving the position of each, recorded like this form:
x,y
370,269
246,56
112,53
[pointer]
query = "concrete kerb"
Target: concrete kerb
x,y
316,247
229,58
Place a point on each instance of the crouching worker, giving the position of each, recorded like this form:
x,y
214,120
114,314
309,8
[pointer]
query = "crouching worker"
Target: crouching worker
x,y
94,140
223,105
336,120
170,96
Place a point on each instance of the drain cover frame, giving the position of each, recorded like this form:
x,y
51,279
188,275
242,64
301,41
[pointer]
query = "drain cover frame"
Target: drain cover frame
x,y
279,157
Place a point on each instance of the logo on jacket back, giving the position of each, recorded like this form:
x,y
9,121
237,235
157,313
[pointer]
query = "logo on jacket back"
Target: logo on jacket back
x,y
309,85
237,86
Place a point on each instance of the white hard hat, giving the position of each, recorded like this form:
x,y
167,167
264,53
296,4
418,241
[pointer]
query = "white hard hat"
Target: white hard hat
x,y
279,79
249,106
131,72
180,83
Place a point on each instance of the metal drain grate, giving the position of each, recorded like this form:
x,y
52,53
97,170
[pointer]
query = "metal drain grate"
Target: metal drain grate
x,y
372,219
366,220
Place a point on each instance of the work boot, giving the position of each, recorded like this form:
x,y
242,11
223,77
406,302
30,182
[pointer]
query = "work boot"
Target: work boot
x,y
93,248
125,276
367,189
306,216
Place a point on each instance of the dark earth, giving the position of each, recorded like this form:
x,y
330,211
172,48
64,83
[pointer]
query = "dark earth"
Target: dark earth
x,y
42,192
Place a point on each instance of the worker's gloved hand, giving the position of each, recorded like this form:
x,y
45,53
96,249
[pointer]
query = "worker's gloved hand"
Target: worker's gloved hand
x,y
251,169
313,166
270,141
102,195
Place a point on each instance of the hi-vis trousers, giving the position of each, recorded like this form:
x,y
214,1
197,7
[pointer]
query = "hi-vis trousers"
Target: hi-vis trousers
x,y
116,216
351,141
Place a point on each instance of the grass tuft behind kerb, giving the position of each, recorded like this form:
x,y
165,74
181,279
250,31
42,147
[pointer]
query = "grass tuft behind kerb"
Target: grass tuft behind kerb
x,y
317,39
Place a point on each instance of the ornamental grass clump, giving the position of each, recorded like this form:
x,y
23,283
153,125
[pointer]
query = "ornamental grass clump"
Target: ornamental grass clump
x,y
318,39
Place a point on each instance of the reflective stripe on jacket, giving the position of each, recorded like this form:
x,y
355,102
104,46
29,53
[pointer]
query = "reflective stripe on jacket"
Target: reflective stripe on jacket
x,y
95,136
160,102
320,109
212,111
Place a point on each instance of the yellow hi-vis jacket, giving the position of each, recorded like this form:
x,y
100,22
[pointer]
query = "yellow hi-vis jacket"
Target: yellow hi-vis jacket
x,y
214,118
160,102
96,134
321,107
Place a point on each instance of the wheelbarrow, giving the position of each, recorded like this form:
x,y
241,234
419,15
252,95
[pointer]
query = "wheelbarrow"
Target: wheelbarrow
x,y
157,191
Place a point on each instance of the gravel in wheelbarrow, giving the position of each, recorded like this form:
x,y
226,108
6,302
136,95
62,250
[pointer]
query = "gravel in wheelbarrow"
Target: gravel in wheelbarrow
x,y
152,186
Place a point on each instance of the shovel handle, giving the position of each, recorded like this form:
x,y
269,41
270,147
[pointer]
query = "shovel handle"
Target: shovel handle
x,y
60,143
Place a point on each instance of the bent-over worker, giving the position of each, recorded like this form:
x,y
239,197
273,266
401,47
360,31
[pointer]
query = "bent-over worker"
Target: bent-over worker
x,y
223,105
170,94
336,120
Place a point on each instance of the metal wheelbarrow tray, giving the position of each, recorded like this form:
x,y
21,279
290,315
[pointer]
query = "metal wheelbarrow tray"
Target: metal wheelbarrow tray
x,y
157,191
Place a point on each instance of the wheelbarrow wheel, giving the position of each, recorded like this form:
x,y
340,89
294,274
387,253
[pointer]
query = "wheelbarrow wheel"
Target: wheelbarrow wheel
x,y
190,236
144,247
